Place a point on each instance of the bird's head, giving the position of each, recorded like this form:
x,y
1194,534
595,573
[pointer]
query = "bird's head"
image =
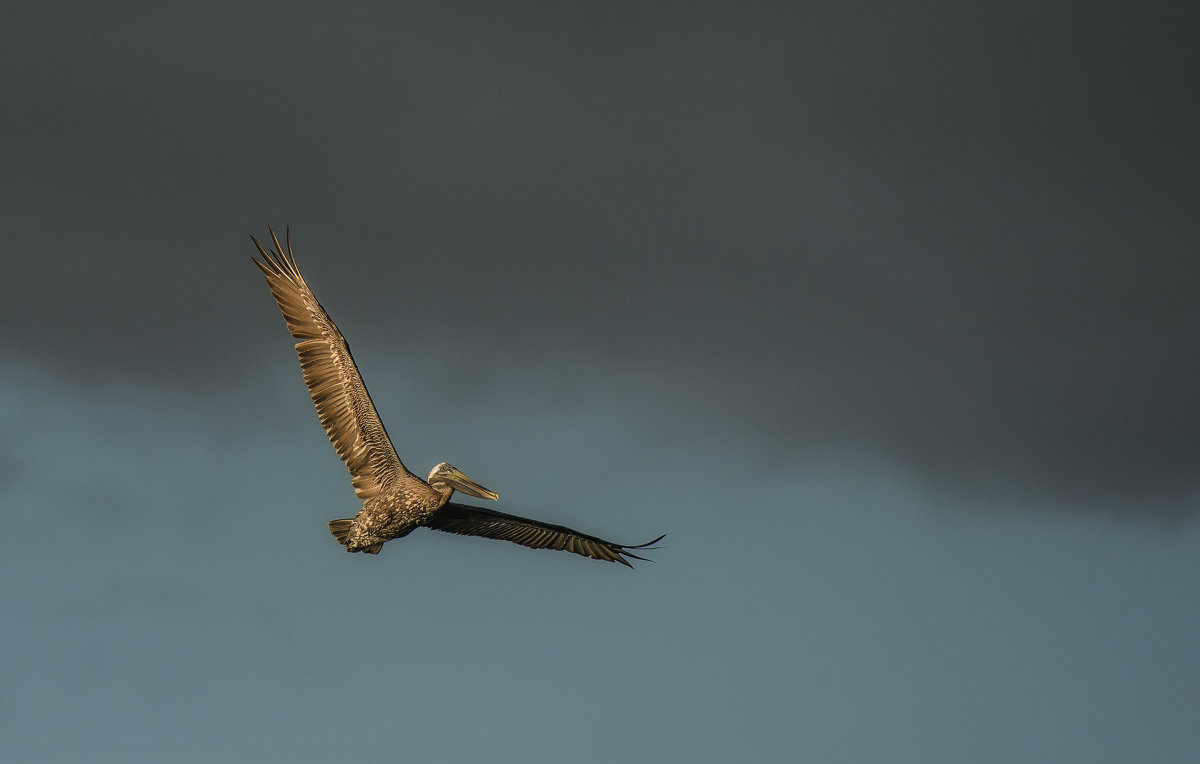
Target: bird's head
x,y
446,476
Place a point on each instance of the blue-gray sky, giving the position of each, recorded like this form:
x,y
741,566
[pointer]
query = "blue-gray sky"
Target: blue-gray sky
x,y
886,314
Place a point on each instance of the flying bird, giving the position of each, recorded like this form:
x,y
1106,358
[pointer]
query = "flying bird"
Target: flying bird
x,y
395,501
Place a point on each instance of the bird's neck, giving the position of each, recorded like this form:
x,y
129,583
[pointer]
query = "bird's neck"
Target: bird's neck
x,y
442,490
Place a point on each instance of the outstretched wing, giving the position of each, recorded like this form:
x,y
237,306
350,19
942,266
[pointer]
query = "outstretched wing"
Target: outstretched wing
x,y
475,521
343,404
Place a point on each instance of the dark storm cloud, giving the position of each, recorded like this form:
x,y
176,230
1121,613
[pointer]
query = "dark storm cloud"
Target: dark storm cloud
x,y
961,236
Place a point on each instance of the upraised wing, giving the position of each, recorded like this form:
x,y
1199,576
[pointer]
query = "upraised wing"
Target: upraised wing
x,y
343,404
475,521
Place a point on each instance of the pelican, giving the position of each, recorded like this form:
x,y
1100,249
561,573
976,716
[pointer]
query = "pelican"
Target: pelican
x,y
395,501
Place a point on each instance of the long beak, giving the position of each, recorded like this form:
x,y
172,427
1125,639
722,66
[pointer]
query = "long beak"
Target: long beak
x,y
461,482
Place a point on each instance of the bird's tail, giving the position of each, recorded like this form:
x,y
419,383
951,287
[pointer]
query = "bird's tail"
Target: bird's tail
x,y
341,530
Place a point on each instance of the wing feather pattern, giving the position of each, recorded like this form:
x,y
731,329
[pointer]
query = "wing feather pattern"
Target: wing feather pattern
x,y
466,520
343,404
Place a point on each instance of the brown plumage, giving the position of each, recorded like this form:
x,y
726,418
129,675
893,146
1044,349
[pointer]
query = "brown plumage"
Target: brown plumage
x,y
395,501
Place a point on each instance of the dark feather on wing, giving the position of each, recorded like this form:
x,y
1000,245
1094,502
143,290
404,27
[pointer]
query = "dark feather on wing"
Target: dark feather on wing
x,y
475,521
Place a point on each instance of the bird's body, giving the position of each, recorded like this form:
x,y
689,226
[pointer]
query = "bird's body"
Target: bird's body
x,y
395,501
393,514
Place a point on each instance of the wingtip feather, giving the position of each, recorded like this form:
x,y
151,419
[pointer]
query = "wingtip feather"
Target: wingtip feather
x,y
647,545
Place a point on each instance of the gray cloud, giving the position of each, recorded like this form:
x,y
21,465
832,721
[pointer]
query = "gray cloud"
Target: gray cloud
x,y
954,236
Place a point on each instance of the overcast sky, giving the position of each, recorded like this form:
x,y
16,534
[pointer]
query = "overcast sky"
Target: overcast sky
x,y
885,313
